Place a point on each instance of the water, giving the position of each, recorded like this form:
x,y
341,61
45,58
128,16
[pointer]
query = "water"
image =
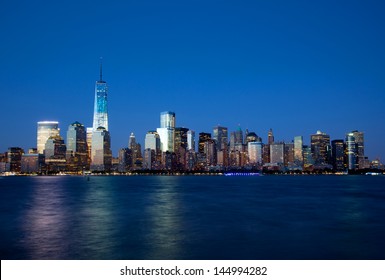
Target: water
x,y
193,217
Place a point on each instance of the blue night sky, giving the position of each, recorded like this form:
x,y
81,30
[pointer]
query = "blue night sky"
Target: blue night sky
x,y
293,66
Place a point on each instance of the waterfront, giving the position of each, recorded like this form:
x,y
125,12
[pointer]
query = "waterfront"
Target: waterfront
x,y
192,217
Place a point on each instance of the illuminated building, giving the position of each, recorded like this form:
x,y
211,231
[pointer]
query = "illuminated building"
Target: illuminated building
x,y
236,140
220,135
32,163
298,151
203,137
77,151
135,152
167,131
254,151
55,154
46,129
359,139
355,150
270,137
338,155
289,154
191,140
89,144
277,153
14,156
100,105
320,148
210,152
101,156
152,141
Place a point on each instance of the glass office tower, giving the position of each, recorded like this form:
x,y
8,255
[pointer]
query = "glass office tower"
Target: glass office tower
x,y
167,131
100,106
45,130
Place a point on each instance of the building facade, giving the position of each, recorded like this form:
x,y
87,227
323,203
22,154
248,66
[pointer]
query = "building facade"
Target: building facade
x,y
46,129
100,104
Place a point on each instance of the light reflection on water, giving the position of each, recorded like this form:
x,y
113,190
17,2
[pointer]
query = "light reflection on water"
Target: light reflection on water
x,y
165,233
165,217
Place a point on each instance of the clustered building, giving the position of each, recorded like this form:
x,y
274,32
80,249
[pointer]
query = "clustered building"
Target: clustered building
x,y
172,149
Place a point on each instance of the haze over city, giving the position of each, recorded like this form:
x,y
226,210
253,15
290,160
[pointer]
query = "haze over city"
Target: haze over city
x,y
295,67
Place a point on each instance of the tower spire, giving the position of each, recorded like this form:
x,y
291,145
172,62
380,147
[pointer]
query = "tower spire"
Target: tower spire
x,y
101,69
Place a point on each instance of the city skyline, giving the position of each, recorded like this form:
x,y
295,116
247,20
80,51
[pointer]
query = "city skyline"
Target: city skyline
x,y
295,67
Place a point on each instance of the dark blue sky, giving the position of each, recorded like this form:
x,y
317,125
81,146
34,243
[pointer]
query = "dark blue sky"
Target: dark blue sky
x,y
294,66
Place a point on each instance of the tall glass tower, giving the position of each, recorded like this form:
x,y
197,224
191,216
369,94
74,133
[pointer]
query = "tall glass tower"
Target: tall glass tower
x,y
45,130
100,107
167,131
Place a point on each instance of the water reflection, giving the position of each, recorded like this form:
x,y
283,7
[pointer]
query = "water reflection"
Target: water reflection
x,y
96,221
165,233
45,222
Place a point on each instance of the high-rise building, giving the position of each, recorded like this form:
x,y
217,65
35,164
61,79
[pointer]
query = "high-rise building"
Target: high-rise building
x,y
125,159
100,105
203,137
351,151
220,135
270,137
167,119
55,154
180,146
308,160
135,151
338,154
252,137
236,140
167,131
277,153
152,141
32,163
298,151
14,156
181,138
289,154
46,129
320,148
77,151
191,140
89,143
101,156
210,152
266,147
254,150
359,139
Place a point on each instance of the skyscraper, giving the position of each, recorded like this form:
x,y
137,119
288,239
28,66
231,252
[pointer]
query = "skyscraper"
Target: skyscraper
x,y
254,151
152,141
77,151
191,140
55,154
320,147
167,131
203,137
100,105
101,156
351,151
298,151
220,135
338,154
270,137
14,158
277,153
46,129
359,139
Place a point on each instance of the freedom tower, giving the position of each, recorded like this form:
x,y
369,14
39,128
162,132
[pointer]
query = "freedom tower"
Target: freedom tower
x,y
100,107
101,155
